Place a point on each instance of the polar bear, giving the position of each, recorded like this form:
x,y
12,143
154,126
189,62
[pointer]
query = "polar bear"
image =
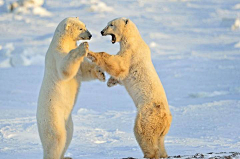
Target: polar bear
x,y
65,68
133,68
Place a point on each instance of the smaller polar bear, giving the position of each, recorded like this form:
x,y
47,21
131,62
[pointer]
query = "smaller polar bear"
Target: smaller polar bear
x,y
133,68
65,68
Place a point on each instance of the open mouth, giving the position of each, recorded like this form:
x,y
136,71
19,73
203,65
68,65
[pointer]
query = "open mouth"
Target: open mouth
x,y
113,38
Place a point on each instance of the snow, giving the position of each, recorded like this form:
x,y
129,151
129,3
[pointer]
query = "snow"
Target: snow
x,y
41,11
237,6
26,7
236,24
194,50
237,45
92,5
99,6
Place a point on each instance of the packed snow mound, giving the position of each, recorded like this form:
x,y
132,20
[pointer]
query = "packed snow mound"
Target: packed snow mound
x,y
41,12
11,56
1,2
153,44
5,55
26,3
28,6
236,24
237,45
98,6
93,5
237,6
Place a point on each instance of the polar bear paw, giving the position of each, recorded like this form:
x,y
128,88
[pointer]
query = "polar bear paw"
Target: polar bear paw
x,y
112,82
92,56
83,48
99,74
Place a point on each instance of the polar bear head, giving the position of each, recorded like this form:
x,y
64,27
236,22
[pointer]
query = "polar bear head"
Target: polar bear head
x,y
120,29
73,28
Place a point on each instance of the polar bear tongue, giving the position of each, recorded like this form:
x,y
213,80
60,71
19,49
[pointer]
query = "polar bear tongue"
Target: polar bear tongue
x,y
113,38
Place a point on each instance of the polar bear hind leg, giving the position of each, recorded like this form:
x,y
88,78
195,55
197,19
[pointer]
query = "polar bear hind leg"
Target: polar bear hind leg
x,y
146,140
55,148
69,129
149,145
150,128
163,153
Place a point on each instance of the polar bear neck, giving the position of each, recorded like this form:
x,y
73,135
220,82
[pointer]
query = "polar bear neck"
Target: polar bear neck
x,y
63,42
130,37
132,41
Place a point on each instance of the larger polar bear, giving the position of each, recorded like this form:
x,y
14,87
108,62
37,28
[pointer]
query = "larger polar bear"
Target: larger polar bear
x,y
65,68
133,68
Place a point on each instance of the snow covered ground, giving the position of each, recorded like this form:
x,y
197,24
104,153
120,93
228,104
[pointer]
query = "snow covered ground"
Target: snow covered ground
x,y
195,48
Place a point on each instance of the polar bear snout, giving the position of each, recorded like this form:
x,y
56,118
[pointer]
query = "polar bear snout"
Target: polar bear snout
x,y
105,34
89,35
106,31
85,35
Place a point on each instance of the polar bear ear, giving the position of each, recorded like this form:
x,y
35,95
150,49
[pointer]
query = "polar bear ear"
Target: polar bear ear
x,y
126,21
66,26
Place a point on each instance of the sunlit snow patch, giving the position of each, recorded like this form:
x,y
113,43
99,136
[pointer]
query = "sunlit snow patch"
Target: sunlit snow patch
x,y
98,6
28,6
237,6
237,45
236,24
99,142
93,5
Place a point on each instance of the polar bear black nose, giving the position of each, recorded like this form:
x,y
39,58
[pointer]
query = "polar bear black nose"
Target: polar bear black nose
x,y
102,32
90,36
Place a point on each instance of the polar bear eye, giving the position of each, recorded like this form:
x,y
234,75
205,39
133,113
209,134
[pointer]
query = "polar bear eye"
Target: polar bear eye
x,y
111,25
81,29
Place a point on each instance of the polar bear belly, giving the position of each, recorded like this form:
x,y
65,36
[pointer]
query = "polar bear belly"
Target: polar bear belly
x,y
61,96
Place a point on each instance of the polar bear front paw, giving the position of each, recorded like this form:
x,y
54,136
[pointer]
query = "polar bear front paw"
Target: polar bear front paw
x,y
83,48
99,74
92,56
112,82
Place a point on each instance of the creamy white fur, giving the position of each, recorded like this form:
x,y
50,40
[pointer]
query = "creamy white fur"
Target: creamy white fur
x,y
65,68
133,68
